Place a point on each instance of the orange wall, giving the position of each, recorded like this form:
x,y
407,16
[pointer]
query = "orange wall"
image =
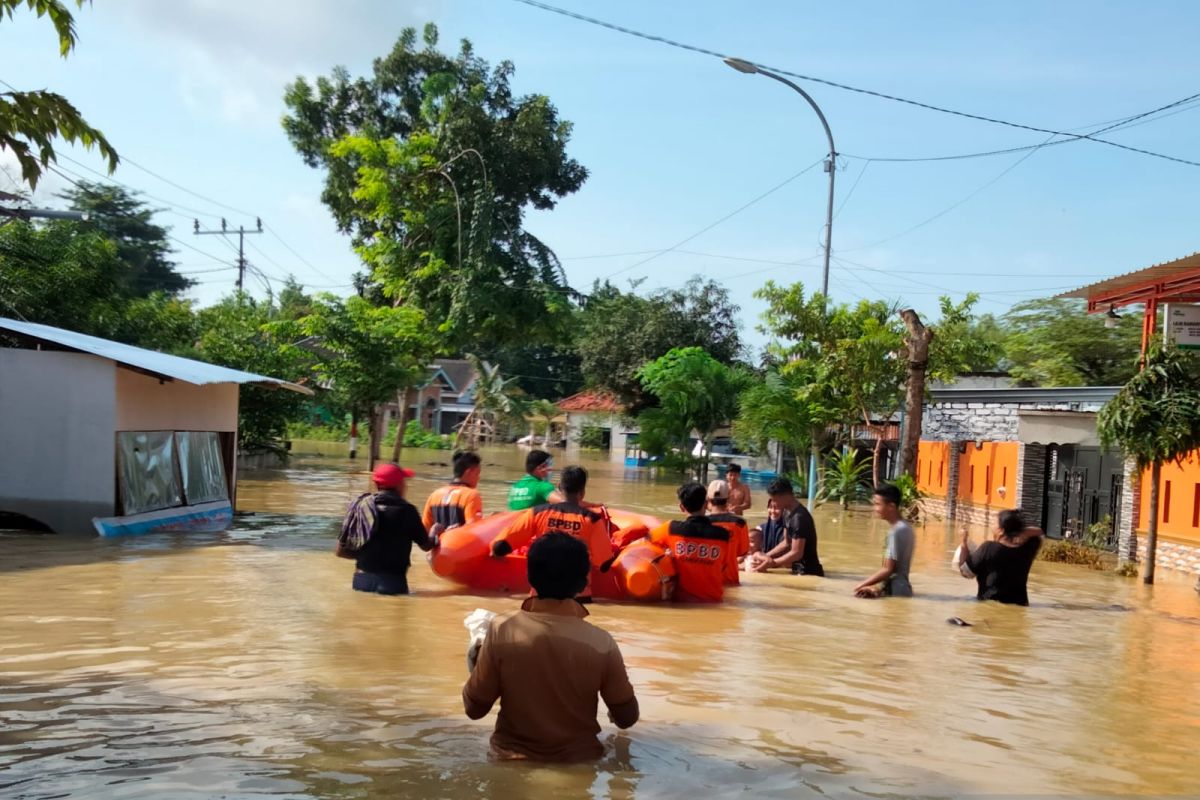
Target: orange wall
x,y
1179,514
933,467
983,471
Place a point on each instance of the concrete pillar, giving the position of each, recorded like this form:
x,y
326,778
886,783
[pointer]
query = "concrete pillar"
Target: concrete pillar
x,y
952,480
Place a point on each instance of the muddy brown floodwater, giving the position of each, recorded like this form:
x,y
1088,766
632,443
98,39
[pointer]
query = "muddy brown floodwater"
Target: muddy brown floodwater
x,y
242,665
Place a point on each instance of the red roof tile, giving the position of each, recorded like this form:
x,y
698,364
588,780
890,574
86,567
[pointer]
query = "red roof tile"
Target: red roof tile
x,y
592,400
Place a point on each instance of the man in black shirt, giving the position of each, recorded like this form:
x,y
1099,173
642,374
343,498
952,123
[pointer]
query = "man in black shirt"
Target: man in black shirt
x,y
798,550
384,559
1002,566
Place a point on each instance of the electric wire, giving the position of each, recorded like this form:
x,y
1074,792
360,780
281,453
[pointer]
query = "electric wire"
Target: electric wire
x,y
824,81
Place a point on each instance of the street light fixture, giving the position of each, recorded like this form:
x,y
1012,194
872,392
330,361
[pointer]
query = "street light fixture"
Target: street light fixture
x,y
830,166
749,68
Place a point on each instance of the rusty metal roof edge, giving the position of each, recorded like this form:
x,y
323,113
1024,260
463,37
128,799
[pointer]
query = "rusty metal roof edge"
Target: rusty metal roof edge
x,y
1136,276
188,370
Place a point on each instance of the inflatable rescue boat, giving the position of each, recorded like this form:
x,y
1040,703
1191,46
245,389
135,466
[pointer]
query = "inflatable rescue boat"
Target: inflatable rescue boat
x,y
640,570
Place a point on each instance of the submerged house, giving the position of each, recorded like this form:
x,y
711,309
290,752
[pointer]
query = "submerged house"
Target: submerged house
x,y
105,437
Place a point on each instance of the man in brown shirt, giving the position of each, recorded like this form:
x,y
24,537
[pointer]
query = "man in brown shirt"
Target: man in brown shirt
x,y
547,665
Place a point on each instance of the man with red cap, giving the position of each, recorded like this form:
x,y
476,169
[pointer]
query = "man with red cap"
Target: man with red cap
x,y
389,527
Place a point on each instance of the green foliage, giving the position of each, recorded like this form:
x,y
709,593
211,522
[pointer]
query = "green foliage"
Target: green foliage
x,y
695,392
773,408
961,343
844,478
1055,342
415,435
1155,417
30,122
1129,569
619,332
142,246
430,164
62,275
239,333
318,433
364,353
910,496
591,437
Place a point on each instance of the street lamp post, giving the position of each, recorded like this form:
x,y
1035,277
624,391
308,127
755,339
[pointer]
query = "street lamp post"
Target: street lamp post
x,y
830,167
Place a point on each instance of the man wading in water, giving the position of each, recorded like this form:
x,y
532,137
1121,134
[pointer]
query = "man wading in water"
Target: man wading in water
x,y
379,532
897,553
546,665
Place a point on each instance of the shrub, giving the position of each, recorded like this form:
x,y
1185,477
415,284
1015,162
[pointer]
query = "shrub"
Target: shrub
x,y
910,497
415,435
1064,551
844,478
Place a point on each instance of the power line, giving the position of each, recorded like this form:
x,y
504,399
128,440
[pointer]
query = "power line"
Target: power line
x,y
712,225
881,95
1120,124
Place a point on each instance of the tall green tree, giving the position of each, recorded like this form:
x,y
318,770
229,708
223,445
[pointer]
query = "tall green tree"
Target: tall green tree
x,y
849,353
1155,418
366,354
619,332
431,163
62,274
142,245
1055,342
238,332
30,122
695,393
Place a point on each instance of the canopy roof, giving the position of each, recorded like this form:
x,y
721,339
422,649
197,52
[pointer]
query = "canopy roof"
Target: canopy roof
x,y
159,365
1177,281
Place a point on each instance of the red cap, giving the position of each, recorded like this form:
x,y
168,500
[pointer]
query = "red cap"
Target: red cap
x,y
389,476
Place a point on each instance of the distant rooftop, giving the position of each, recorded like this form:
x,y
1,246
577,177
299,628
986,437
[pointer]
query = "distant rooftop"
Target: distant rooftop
x,y
592,400
160,365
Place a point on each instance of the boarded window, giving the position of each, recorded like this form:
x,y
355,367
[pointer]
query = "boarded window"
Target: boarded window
x,y
149,477
201,466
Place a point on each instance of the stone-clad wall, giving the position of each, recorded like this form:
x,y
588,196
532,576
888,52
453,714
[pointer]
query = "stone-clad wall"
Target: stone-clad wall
x,y
1169,555
954,422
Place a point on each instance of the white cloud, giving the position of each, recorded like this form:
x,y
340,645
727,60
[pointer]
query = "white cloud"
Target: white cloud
x,y
12,182
235,57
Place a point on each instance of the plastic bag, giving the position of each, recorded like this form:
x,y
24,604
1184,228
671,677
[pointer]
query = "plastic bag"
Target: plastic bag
x,y
477,623
959,562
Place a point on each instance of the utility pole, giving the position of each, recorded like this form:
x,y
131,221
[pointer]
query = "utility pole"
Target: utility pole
x,y
241,234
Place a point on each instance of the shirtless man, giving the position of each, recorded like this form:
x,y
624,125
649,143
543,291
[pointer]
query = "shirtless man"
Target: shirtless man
x,y
739,493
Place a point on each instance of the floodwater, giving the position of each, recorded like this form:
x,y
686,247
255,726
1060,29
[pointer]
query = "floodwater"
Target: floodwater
x,y
242,665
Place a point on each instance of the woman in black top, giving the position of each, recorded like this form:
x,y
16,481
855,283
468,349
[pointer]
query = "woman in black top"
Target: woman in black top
x,y
1001,567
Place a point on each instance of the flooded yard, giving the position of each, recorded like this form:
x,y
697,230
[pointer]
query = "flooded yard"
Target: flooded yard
x,y
242,665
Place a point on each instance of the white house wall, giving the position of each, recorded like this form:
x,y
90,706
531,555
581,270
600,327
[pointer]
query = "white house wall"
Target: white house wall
x,y
57,413
147,404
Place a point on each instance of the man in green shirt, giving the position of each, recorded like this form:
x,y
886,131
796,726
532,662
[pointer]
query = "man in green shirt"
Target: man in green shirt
x,y
533,489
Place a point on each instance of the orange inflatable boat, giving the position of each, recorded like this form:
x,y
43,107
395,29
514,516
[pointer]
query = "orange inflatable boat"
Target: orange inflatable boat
x,y
641,570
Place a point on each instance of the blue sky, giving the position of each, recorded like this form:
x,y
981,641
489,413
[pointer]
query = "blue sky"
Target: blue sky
x,y
191,89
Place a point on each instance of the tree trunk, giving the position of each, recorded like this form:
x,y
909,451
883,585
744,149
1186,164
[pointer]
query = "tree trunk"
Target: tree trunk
x,y
876,456
1152,528
398,445
704,445
814,473
376,435
917,342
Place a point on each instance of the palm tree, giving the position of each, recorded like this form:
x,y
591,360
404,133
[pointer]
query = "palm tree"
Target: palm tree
x,y
496,399
543,411
1155,418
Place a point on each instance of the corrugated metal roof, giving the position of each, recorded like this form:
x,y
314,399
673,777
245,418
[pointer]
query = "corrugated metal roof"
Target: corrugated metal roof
x,y
1030,394
1169,269
161,364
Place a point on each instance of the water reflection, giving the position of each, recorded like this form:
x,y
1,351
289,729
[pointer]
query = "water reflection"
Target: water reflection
x,y
241,665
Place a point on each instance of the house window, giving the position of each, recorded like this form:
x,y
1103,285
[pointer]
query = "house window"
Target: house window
x,y
1166,503
1196,506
